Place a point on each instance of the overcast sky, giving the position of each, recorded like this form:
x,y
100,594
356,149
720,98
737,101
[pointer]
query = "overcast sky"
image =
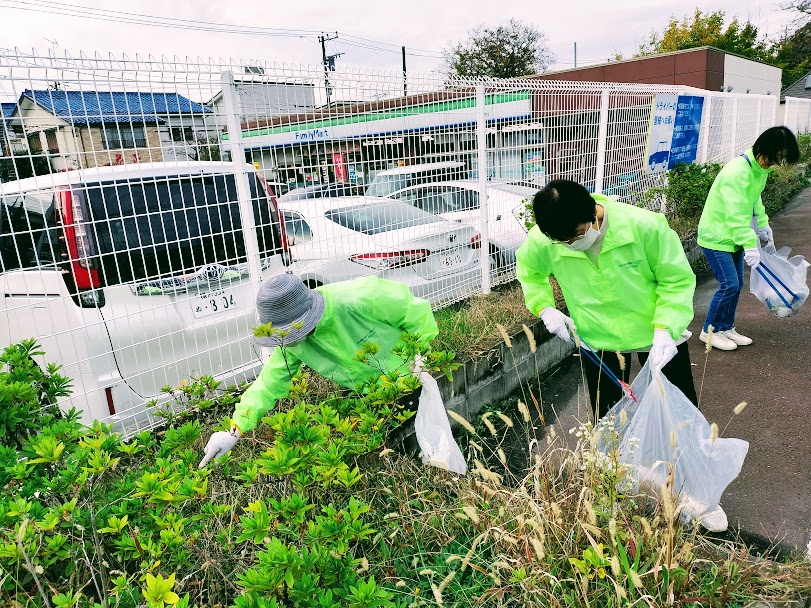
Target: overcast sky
x,y
600,28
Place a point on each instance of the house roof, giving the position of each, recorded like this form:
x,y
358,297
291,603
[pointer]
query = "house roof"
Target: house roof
x,y
801,88
8,109
93,107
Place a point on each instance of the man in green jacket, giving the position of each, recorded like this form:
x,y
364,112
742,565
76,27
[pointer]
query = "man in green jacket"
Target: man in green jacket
x,y
324,329
727,233
627,284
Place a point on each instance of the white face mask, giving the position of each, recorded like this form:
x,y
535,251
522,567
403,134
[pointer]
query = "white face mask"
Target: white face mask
x,y
586,241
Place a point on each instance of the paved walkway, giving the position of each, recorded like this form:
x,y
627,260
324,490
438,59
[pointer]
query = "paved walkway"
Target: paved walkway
x,y
770,502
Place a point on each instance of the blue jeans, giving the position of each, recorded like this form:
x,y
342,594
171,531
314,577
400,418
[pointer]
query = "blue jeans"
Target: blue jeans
x,y
728,269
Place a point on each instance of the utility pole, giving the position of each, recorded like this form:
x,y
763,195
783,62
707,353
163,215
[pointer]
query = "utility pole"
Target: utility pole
x,y
575,54
326,62
405,80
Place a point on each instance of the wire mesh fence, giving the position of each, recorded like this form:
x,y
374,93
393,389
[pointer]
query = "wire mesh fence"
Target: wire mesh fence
x,y
798,115
145,199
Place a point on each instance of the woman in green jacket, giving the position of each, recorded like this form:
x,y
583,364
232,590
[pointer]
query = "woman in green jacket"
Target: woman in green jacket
x,y
627,284
324,328
726,233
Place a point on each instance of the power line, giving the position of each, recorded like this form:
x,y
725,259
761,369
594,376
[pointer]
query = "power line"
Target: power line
x,y
48,6
87,12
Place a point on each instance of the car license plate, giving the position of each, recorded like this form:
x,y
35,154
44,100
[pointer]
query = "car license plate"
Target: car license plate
x,y
213,303
450,260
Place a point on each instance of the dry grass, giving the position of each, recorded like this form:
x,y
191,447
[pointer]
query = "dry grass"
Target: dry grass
x,y
469,328
516,540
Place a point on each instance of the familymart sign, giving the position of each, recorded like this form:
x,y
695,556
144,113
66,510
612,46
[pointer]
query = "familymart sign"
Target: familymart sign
x,y
450,113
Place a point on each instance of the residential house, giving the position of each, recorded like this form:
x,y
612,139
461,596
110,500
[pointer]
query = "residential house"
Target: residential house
x,y
80,129
12,144
800,89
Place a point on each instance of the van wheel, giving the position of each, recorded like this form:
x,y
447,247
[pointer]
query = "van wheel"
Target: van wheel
x,y
312,283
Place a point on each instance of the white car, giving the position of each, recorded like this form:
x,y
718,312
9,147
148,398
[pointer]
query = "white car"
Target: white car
x,y
459,201
133,278
389,181
335,239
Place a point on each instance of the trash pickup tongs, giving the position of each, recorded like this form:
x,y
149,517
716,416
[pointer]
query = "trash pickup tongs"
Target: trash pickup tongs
x,y
591,354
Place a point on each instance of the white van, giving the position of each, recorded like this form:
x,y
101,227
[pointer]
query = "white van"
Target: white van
x,y
390,181
134,278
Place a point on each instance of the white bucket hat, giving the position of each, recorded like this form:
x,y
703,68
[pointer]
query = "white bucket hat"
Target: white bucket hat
x,y
283,301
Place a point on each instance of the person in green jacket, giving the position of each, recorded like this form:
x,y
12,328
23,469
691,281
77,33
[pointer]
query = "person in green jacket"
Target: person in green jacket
x,y
628,287
727,234
324,328
626,281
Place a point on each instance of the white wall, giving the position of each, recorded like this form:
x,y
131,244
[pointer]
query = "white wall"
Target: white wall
x,y
263,100
742,74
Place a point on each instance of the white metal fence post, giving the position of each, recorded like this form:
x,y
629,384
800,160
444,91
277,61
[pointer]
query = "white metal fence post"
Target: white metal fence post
x,y
241,170
759,110
481,135
706,121
733,144
602,137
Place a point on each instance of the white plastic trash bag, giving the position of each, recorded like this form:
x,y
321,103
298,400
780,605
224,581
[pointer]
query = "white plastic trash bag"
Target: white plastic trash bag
x,y
780,281
663,429
434,431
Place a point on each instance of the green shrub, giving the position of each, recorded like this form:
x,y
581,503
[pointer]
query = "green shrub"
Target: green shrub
x,y
804,141
27,392
781,186
307,511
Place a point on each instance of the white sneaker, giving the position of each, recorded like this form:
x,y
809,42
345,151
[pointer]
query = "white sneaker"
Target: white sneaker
x,y
737,338
717,340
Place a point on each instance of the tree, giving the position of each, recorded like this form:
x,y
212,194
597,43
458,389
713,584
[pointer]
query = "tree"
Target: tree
x,y
802,7
507,51
707,29
793,53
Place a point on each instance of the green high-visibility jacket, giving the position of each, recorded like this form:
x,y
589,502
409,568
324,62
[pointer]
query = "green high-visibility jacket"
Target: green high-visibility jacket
x,y
726,221
362,310
642,279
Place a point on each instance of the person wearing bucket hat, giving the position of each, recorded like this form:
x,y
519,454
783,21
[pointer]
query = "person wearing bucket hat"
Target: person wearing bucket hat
x,y
626,280
324,328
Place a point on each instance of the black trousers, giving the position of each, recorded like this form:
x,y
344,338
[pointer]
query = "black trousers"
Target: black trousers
x,y
603,391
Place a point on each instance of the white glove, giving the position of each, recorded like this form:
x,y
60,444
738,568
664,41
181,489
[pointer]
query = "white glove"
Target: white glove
x,y
220,444
663,350
557,323
766,234
751,257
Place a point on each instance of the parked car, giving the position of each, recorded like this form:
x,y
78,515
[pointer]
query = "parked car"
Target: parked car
x,y
134,278
278,188
459,201
390,181
339,239
322,191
